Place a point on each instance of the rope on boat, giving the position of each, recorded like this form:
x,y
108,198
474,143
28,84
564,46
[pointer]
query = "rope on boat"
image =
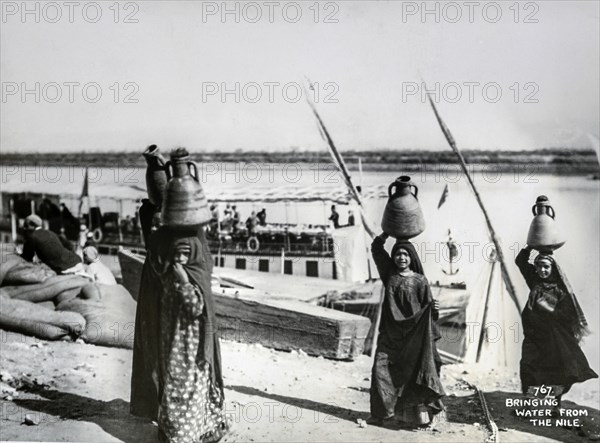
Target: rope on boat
x,y
491,424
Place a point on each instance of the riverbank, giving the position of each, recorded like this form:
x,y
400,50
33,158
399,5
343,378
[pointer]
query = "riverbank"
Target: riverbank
x,y
80,392
544,161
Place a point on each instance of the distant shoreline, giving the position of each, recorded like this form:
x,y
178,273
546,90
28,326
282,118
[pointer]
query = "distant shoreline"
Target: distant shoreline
x,y
550,161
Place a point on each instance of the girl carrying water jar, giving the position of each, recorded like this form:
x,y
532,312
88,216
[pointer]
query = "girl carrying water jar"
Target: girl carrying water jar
x,y
553,321
405,380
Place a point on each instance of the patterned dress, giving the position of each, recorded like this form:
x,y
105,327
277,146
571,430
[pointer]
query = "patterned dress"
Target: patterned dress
x,y
190,404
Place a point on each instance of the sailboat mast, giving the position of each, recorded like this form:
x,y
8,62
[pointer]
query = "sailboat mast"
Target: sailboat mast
x,y
340,164
506,277
360,172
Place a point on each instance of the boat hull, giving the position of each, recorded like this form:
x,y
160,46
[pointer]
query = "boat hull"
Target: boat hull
x,y
288,325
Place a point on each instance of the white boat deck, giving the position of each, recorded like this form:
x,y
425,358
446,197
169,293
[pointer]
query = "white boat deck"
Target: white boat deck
x,y
284,286
274,286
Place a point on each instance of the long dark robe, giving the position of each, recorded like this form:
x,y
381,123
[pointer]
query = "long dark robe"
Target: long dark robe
x,y
144,374
405,377
551,325
146,212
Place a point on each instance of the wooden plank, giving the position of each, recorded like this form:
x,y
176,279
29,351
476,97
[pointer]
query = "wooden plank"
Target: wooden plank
x,y
131,271
249,316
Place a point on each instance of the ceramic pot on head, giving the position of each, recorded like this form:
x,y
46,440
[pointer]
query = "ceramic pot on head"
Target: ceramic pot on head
x,y
402,217
184,204
156,176
543,232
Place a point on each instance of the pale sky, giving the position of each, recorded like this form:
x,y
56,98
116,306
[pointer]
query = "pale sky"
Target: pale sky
x,y
370,61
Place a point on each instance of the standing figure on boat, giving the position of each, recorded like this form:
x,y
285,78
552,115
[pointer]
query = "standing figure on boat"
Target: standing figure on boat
x,y
235,219
405,379
252,223
334,217
213,224
351,218
553,325
262,217
227,222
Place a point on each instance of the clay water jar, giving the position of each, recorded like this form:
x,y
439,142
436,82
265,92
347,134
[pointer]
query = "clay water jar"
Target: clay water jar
x,y
543,232
402,217
156,176
184,204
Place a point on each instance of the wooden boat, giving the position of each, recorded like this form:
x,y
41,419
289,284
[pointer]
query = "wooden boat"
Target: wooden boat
x,y
250,316
364,300
281,248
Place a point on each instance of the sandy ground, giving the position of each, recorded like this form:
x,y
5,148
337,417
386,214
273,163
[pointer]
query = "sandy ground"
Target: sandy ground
x,y
80,392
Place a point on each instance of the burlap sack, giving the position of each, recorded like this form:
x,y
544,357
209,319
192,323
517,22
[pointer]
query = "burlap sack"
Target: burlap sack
x,y
109,312
32,319
8,260
47,290
21,272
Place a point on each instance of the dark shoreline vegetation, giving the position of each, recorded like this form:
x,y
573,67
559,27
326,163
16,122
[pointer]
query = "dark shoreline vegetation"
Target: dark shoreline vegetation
x,y
552,160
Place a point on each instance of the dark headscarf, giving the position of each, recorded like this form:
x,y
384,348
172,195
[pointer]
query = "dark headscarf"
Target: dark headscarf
x,y
146,212
165,242
415,261
579,324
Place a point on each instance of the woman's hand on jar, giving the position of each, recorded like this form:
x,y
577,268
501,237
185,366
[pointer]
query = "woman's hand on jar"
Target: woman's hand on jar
x,y
180,274
436,305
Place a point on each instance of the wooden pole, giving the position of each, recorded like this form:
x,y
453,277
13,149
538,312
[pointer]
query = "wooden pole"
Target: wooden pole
x,y
90,214
360,172
485,312
505,276
13,221
119,213
377,321
340,164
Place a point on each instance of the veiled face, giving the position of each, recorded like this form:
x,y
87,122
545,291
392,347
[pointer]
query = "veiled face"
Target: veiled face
x,y
182,254
402,259
543,268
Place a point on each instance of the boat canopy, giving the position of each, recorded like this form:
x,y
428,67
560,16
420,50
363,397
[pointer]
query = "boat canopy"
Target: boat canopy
x,y
239,194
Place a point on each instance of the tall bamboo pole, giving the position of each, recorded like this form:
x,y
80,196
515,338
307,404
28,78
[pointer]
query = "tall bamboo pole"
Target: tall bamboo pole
x,y
13,222
340,164
505,276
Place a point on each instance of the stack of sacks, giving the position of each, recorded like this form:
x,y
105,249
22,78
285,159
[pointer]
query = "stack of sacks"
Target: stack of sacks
x,y
99,314
26,305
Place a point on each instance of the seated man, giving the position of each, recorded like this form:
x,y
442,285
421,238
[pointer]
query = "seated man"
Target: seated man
x,y
49,249
96,268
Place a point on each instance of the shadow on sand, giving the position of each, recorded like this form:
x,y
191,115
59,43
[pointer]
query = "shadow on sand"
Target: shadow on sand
x,y
327,409
112,416
464,409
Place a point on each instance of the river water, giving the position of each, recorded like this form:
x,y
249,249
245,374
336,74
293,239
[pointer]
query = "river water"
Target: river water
x,y
507,196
